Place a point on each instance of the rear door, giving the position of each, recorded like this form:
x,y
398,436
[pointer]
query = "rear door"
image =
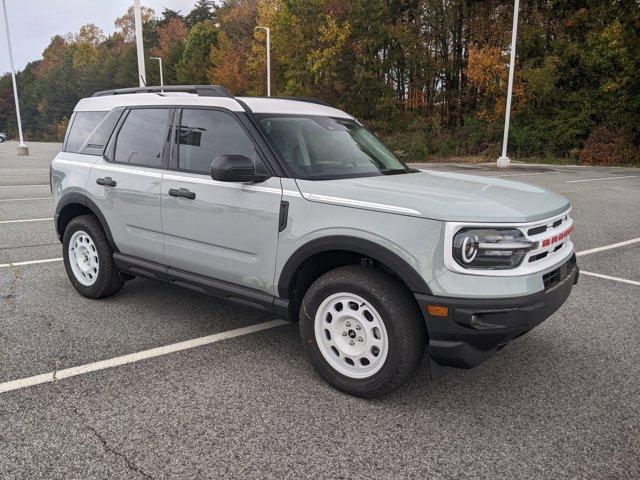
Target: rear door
x,y
222,230
125,183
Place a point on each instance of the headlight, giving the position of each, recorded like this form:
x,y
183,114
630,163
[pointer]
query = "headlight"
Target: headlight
x,y
490,248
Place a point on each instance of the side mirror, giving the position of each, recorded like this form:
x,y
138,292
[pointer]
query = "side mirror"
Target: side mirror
x,y
235,168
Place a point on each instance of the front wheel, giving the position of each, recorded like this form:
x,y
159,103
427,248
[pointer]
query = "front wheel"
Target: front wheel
x,y
362,331
88,258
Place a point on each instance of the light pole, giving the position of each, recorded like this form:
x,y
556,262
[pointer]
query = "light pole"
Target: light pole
x,y
504,161
137,15
266,29
22,148
160,66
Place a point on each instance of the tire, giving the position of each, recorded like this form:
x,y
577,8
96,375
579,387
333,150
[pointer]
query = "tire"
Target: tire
x,y
383,304
90,265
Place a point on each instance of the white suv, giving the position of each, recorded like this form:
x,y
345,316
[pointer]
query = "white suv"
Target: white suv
x,y
295,208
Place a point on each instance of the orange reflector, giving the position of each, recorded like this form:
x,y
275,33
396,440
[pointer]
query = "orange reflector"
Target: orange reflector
x,y
438,310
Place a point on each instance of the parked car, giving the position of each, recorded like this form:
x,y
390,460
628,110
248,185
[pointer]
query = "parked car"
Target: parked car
x,y
295,208
3,137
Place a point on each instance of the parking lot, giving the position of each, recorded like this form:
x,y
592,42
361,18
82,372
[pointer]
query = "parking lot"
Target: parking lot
x,y
231,396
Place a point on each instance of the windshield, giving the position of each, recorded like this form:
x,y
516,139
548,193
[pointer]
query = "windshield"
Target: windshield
x,y
321,148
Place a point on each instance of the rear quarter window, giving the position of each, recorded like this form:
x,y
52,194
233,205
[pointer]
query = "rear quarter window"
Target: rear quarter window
x,y
84,123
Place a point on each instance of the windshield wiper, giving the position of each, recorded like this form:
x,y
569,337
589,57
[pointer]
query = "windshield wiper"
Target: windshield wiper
x,y
393,171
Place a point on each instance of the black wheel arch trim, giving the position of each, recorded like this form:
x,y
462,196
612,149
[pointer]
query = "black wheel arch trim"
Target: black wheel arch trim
x,y
81,199
366,248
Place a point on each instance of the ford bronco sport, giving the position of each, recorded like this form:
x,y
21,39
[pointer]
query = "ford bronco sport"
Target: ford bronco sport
x,y
294,207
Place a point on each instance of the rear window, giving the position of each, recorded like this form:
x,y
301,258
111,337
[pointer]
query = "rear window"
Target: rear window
x,y
143,137
83,124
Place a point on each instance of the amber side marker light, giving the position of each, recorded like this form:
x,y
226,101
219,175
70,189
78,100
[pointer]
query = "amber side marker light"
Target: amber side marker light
x,y
437,310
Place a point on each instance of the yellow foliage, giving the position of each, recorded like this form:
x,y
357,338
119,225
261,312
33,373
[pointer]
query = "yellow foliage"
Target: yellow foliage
x,y
84,56
488,71
125,25
333,40
61,128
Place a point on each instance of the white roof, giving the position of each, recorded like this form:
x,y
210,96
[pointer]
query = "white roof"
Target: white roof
x,y
256,104
296,107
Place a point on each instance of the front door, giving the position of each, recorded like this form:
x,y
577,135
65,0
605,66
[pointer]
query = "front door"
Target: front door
x,y
223,230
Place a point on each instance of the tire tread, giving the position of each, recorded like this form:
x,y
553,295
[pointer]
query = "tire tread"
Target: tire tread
x,y
109,280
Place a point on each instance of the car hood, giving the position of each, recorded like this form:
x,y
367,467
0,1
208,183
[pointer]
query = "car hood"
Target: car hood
x,y
440,196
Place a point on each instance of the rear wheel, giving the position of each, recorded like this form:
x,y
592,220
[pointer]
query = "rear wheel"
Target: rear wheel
x,y
362,331
88,258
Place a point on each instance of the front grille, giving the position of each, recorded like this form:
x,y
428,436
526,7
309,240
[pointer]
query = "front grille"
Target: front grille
x,y
540,256
537,230
543,228
533,258
548,232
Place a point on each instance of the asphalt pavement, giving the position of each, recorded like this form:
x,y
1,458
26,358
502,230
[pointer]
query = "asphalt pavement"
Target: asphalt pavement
x,y
562,402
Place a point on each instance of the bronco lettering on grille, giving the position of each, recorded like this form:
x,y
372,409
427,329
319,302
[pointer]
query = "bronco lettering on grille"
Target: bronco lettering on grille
x,y
556,238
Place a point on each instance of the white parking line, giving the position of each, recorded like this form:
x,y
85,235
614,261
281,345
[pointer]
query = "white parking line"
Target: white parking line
x,y
136,357
608,247
29,262
598,179
607,277
26,221
24,199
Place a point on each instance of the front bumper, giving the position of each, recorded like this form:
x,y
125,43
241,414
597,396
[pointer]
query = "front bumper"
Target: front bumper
x,y
474,329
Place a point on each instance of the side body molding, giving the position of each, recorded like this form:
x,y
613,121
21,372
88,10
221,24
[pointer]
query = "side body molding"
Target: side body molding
x,y
357,245
77,198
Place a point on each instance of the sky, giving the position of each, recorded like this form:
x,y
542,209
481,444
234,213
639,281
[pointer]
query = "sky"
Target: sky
x,y
32,23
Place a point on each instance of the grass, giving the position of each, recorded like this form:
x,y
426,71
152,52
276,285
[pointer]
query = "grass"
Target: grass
x,y
478,159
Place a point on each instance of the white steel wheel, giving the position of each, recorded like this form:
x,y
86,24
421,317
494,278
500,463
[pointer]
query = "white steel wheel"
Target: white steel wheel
x,y
351,335
83,258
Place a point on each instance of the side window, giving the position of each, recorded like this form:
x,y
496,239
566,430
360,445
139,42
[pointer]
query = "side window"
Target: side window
x,y
142,139
83,124
98,138
206,134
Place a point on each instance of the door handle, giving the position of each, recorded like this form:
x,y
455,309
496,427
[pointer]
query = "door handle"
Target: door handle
x,y
106,181
183,192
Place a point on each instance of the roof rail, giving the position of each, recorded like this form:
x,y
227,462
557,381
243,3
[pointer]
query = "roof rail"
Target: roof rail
x,y
306,99
201,90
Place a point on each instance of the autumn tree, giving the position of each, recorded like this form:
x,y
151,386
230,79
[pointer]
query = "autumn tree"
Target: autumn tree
x,y
126,24
172,37
428,75
229,57
488,76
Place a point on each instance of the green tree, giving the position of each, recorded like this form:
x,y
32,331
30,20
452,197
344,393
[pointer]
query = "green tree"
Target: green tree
x,y
195,61
202,11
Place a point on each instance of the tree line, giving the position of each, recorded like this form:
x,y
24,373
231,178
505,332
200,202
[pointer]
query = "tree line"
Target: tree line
x,y
429,76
